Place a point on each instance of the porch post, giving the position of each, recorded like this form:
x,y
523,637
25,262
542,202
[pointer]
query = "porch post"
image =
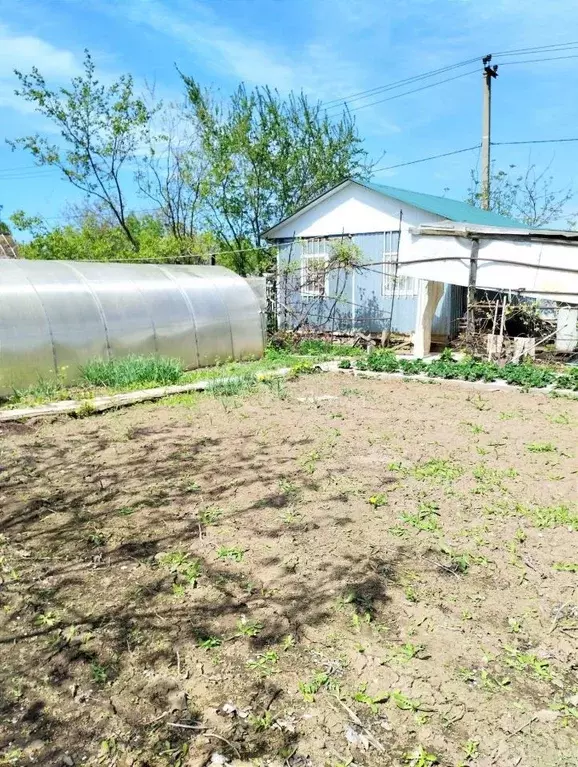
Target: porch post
x,y
428,297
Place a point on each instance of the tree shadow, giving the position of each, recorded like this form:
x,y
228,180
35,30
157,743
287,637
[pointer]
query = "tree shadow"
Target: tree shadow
x,y
92,619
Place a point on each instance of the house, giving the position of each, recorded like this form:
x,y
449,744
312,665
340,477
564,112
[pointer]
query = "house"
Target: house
x,y
338,260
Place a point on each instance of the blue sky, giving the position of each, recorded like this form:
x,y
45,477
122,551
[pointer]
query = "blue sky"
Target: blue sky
x,y
328,48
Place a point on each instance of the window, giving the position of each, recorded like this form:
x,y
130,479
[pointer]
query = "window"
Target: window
x,y
314,260
394,284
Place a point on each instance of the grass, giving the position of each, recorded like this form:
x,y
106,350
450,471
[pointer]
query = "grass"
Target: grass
x,y
566,567
233,553
131,370
528,662
233,387
135,372
438,470
541,517
541,447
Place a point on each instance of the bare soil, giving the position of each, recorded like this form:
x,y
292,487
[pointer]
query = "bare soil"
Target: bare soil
x,y
333,571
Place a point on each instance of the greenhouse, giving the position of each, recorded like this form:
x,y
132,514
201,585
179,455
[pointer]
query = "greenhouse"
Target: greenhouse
x,y
57,315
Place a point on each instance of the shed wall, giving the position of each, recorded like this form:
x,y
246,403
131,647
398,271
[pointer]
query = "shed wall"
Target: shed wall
x,y
355,300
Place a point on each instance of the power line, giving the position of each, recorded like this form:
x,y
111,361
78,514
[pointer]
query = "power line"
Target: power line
x,y
415,90
531,61
425,159
535,49
535,141
334,103
396,84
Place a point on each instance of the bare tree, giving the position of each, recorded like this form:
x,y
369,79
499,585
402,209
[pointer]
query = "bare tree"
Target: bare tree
x,y
172,172
530,196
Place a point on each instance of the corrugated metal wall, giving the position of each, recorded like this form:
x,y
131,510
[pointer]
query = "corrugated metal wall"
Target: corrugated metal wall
x,y
354,299
57,315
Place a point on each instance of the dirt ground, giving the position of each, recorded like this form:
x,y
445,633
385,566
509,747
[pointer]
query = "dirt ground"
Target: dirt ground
x,y
331,571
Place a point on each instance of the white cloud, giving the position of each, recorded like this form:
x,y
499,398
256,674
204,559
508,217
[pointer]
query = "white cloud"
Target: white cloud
x,y
321,68
23,52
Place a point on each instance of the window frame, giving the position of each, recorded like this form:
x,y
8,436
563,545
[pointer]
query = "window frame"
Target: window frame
x,y
321,255
389,289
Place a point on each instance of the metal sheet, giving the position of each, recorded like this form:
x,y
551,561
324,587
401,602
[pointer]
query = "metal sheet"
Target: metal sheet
x,y
247,328
76,324
26,350
56,315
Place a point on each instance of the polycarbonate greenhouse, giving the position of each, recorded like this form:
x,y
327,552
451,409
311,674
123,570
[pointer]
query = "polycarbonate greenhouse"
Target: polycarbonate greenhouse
x,y
57,315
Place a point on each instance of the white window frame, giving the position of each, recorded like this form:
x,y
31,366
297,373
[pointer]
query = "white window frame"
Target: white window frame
x,y
314,248
390,283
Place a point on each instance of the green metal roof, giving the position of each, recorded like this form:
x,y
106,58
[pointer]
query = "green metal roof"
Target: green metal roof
x,y
453,210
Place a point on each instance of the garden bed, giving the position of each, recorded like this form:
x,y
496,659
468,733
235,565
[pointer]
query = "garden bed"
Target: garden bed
x,y
315,572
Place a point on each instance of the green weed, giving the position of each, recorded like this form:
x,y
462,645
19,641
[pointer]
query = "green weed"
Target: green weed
x,y
47,620
248,628
11,756
538,516
475,428
403,702
560,418
133,369
425,519
408,651
98,672
438,470
311,688
566,567
265,663
126,511
541,447
181,565
420,758
458,563
523,661
210,515
411,594
261,723
209,643
483,678
233,386
233,553
372,701
471,749
514,626
96,539
380,499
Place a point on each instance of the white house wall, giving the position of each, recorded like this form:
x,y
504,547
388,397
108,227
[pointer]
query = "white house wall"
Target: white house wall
x,y
352,209
539,269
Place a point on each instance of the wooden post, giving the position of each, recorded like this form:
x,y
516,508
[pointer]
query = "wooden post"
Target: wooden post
x,y
470,326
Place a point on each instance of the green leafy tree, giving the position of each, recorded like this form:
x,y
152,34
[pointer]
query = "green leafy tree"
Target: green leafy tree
x,y
267,156
530,196
101,128
97,237
4,228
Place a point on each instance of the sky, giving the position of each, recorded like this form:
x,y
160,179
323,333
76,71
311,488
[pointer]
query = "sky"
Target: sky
x,y
330,49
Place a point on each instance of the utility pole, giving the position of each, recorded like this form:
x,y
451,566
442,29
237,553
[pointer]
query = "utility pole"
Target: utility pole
x,y
490,72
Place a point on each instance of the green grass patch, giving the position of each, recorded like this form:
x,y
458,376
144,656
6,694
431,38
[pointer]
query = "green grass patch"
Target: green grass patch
x,y
131,370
